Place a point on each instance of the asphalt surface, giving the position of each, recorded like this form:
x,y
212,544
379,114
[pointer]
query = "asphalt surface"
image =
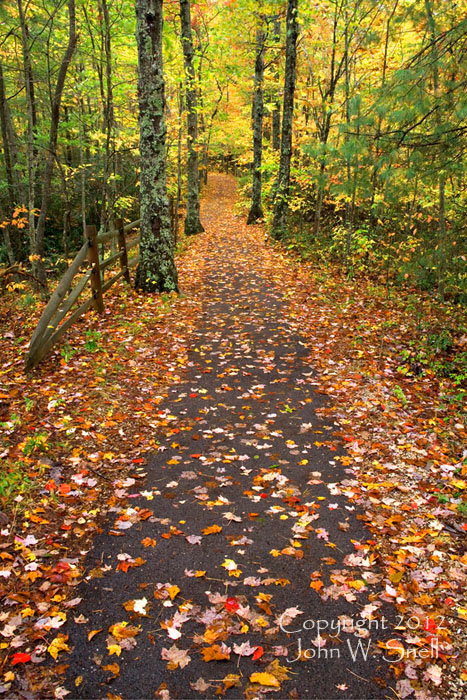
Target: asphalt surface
x,y
243,448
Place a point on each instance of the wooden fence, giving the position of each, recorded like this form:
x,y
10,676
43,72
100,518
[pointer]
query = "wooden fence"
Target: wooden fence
x,y
56,317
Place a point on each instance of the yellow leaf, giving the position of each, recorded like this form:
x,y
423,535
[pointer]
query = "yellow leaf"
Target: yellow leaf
x,y
459,484
173,591
265,679
78,681
198,574
262,622
280,672
57,645
396,577
357,584
114,649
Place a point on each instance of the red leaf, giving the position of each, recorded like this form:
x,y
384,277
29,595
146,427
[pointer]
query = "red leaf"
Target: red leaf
x,y
20,658
231,604
258,653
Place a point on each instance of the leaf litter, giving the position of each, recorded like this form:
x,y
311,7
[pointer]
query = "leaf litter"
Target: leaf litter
x,y
237,460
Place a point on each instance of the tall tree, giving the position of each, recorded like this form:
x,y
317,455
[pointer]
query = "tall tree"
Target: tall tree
x,y
10,160
38,251
276,112
283,180
192,221
156,270
256,210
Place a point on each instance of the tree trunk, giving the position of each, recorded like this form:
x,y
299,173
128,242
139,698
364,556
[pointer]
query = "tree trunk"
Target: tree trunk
x,y
31,147
156,270
256,211
38,265
192,221
276,113
9,156
283,181
179,164
109,126
441,247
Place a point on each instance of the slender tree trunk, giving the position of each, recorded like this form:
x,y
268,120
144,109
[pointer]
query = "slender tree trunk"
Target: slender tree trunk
x,y
31,148
283,180
192,221
52,145
179,163
256,210
276,113
376,167
441,247
9,156
348,206
108,193
156,270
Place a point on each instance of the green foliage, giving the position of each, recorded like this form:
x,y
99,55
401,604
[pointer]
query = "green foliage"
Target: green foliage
x,y
92,343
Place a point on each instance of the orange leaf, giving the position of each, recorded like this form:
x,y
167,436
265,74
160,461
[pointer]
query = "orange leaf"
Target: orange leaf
x,y
215,653
212,530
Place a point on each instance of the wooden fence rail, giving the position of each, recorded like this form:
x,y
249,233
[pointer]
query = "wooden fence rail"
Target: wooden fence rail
x,y
55,319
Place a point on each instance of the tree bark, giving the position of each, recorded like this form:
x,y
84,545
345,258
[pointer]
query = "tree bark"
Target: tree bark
x,y
156,270
192,220
256,210
276,113
179,163
109,124
283,181
441,247
9,156
38,265
31,147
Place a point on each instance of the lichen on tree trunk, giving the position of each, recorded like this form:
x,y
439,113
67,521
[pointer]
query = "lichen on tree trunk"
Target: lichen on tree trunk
x,y
256,210
156,269
283,181
193,224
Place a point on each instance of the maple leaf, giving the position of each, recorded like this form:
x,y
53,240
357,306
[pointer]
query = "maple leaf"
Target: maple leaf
x,y
216,653
173,591
266,679
212,530
112,668
122,630
244,649
177,658
20,658
231,567
137,606
57,645
231,604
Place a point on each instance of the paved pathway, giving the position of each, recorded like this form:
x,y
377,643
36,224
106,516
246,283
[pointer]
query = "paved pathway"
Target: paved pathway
x,y
242,450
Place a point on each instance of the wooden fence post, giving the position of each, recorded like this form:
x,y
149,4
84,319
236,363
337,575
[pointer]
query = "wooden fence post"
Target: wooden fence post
x,y
122,249
96,282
